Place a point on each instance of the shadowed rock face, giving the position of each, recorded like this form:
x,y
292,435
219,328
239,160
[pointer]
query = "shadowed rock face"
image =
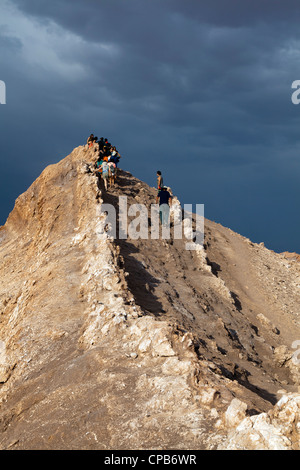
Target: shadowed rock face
x,y
139,344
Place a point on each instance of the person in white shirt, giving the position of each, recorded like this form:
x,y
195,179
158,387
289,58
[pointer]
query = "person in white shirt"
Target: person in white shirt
x,y
105,173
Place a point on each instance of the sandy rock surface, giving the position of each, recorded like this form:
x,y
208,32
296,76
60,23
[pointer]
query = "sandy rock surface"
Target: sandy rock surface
x,y
140,344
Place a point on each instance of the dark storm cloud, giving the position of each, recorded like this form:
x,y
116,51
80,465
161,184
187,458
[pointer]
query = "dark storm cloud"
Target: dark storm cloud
x,y
227,12
163,59
165,78
154,44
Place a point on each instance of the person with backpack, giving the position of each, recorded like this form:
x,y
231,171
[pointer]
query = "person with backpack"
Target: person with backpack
x,y
112,173
115,158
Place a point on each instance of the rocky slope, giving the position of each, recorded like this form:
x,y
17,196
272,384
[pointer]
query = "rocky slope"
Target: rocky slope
x,y
140,344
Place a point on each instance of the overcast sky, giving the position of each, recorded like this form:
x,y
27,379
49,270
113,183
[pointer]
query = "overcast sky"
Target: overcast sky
x,y
198,89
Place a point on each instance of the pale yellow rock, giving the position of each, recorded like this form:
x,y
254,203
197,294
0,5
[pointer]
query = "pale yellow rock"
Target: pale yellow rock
x,y
235,413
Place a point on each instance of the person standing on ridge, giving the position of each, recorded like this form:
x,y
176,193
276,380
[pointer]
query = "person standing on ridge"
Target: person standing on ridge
x,y
112,173
160,181
105,173
101,143
164,199
90,140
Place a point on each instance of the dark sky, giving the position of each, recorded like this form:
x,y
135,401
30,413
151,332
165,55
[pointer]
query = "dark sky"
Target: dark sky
x,y
198,89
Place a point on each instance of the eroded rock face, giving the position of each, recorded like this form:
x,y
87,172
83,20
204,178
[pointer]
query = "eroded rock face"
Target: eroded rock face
x,y
279,429
134,344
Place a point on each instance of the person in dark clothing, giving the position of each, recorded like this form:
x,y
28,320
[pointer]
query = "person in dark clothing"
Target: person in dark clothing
x,y
106,151
164,199
101,154
101,143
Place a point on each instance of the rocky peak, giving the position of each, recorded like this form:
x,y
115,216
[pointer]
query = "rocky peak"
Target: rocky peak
x,y
135,344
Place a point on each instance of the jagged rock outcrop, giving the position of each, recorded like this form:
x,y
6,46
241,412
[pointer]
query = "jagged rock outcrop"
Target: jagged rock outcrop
x,y
291,256
278,429
138,344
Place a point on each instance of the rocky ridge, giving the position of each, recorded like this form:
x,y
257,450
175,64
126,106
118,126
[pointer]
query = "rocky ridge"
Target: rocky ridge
x,y
139,344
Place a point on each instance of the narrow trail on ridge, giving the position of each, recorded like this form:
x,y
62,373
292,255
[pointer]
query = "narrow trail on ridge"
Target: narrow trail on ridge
x,y
218,301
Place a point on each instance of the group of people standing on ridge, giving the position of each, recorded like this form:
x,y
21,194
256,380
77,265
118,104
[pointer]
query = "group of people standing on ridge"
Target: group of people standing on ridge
x,y
107,161
106,168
